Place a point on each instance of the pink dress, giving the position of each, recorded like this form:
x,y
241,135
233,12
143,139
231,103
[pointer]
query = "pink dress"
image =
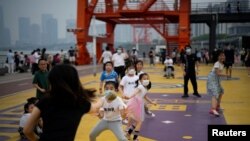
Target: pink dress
x,y
135,105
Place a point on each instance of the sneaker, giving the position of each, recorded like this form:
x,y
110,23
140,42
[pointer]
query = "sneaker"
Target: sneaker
x,y
197,94
125,121
214,112
185,96
151,114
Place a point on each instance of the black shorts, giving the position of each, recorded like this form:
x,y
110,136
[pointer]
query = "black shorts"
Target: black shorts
x,y
228,64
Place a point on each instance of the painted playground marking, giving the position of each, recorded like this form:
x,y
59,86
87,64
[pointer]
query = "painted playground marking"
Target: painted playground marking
x,y
222,78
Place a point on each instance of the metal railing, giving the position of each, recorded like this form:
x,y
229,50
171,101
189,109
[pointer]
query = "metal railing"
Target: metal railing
x,y
170,5
221,7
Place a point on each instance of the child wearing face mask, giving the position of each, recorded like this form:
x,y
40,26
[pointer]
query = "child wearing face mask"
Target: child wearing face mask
x,y
139,71
111,113
128,83
135,105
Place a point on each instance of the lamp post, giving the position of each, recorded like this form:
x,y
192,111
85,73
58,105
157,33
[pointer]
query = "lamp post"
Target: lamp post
x,y
94,46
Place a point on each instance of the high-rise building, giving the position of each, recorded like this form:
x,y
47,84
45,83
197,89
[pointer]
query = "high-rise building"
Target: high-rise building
x,y
4,32
24,30
49,29
6,37
1,26
52,27
35,33
1,19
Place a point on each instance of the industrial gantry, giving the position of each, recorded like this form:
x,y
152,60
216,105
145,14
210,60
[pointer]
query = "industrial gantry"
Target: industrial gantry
x,y
156,13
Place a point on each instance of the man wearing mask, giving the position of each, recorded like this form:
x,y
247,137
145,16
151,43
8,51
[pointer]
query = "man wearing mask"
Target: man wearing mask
x,y
189,65
119,63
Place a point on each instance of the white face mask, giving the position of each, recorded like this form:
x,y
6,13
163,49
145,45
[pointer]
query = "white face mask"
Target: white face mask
x,y
119,51
131,71
145,82
107,93
188,51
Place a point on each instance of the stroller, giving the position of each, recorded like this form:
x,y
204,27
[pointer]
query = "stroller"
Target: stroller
x,y
169,67
169,72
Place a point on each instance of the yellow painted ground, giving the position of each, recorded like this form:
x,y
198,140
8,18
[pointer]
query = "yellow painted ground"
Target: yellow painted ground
x,y
236,100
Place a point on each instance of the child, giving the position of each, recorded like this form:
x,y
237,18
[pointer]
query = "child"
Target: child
x,y
28,107
169,67
128,83
40,80
110,112
135,106
138,68
214,87
108,75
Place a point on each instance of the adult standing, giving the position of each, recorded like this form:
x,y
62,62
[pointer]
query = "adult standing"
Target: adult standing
x,y
119,62
106,56
17,61
10,61
36,56
72,55
238,6
151,55
63,108
229,61
228,10
190,67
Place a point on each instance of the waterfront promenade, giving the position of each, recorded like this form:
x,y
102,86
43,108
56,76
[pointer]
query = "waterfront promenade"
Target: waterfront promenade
x,y
176,119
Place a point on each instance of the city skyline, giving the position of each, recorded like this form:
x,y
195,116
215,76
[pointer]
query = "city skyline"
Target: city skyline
x,y
61,10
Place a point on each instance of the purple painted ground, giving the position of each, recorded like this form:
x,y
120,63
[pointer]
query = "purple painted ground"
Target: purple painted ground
x,y
192,122
194,125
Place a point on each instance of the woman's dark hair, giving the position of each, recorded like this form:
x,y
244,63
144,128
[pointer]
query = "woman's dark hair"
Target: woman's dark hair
x,y
140,77
66,88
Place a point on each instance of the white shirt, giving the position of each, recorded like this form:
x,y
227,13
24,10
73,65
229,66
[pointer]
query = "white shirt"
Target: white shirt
x,y
37,57
112,110
143,91
118,59
106,55
168,62
24,119
128,84
218,65
10,56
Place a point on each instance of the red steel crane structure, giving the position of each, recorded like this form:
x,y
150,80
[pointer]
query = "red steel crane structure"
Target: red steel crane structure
x,y
152,12
141,33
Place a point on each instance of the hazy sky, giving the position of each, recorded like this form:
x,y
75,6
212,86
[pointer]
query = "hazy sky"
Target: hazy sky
x,y
60,9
